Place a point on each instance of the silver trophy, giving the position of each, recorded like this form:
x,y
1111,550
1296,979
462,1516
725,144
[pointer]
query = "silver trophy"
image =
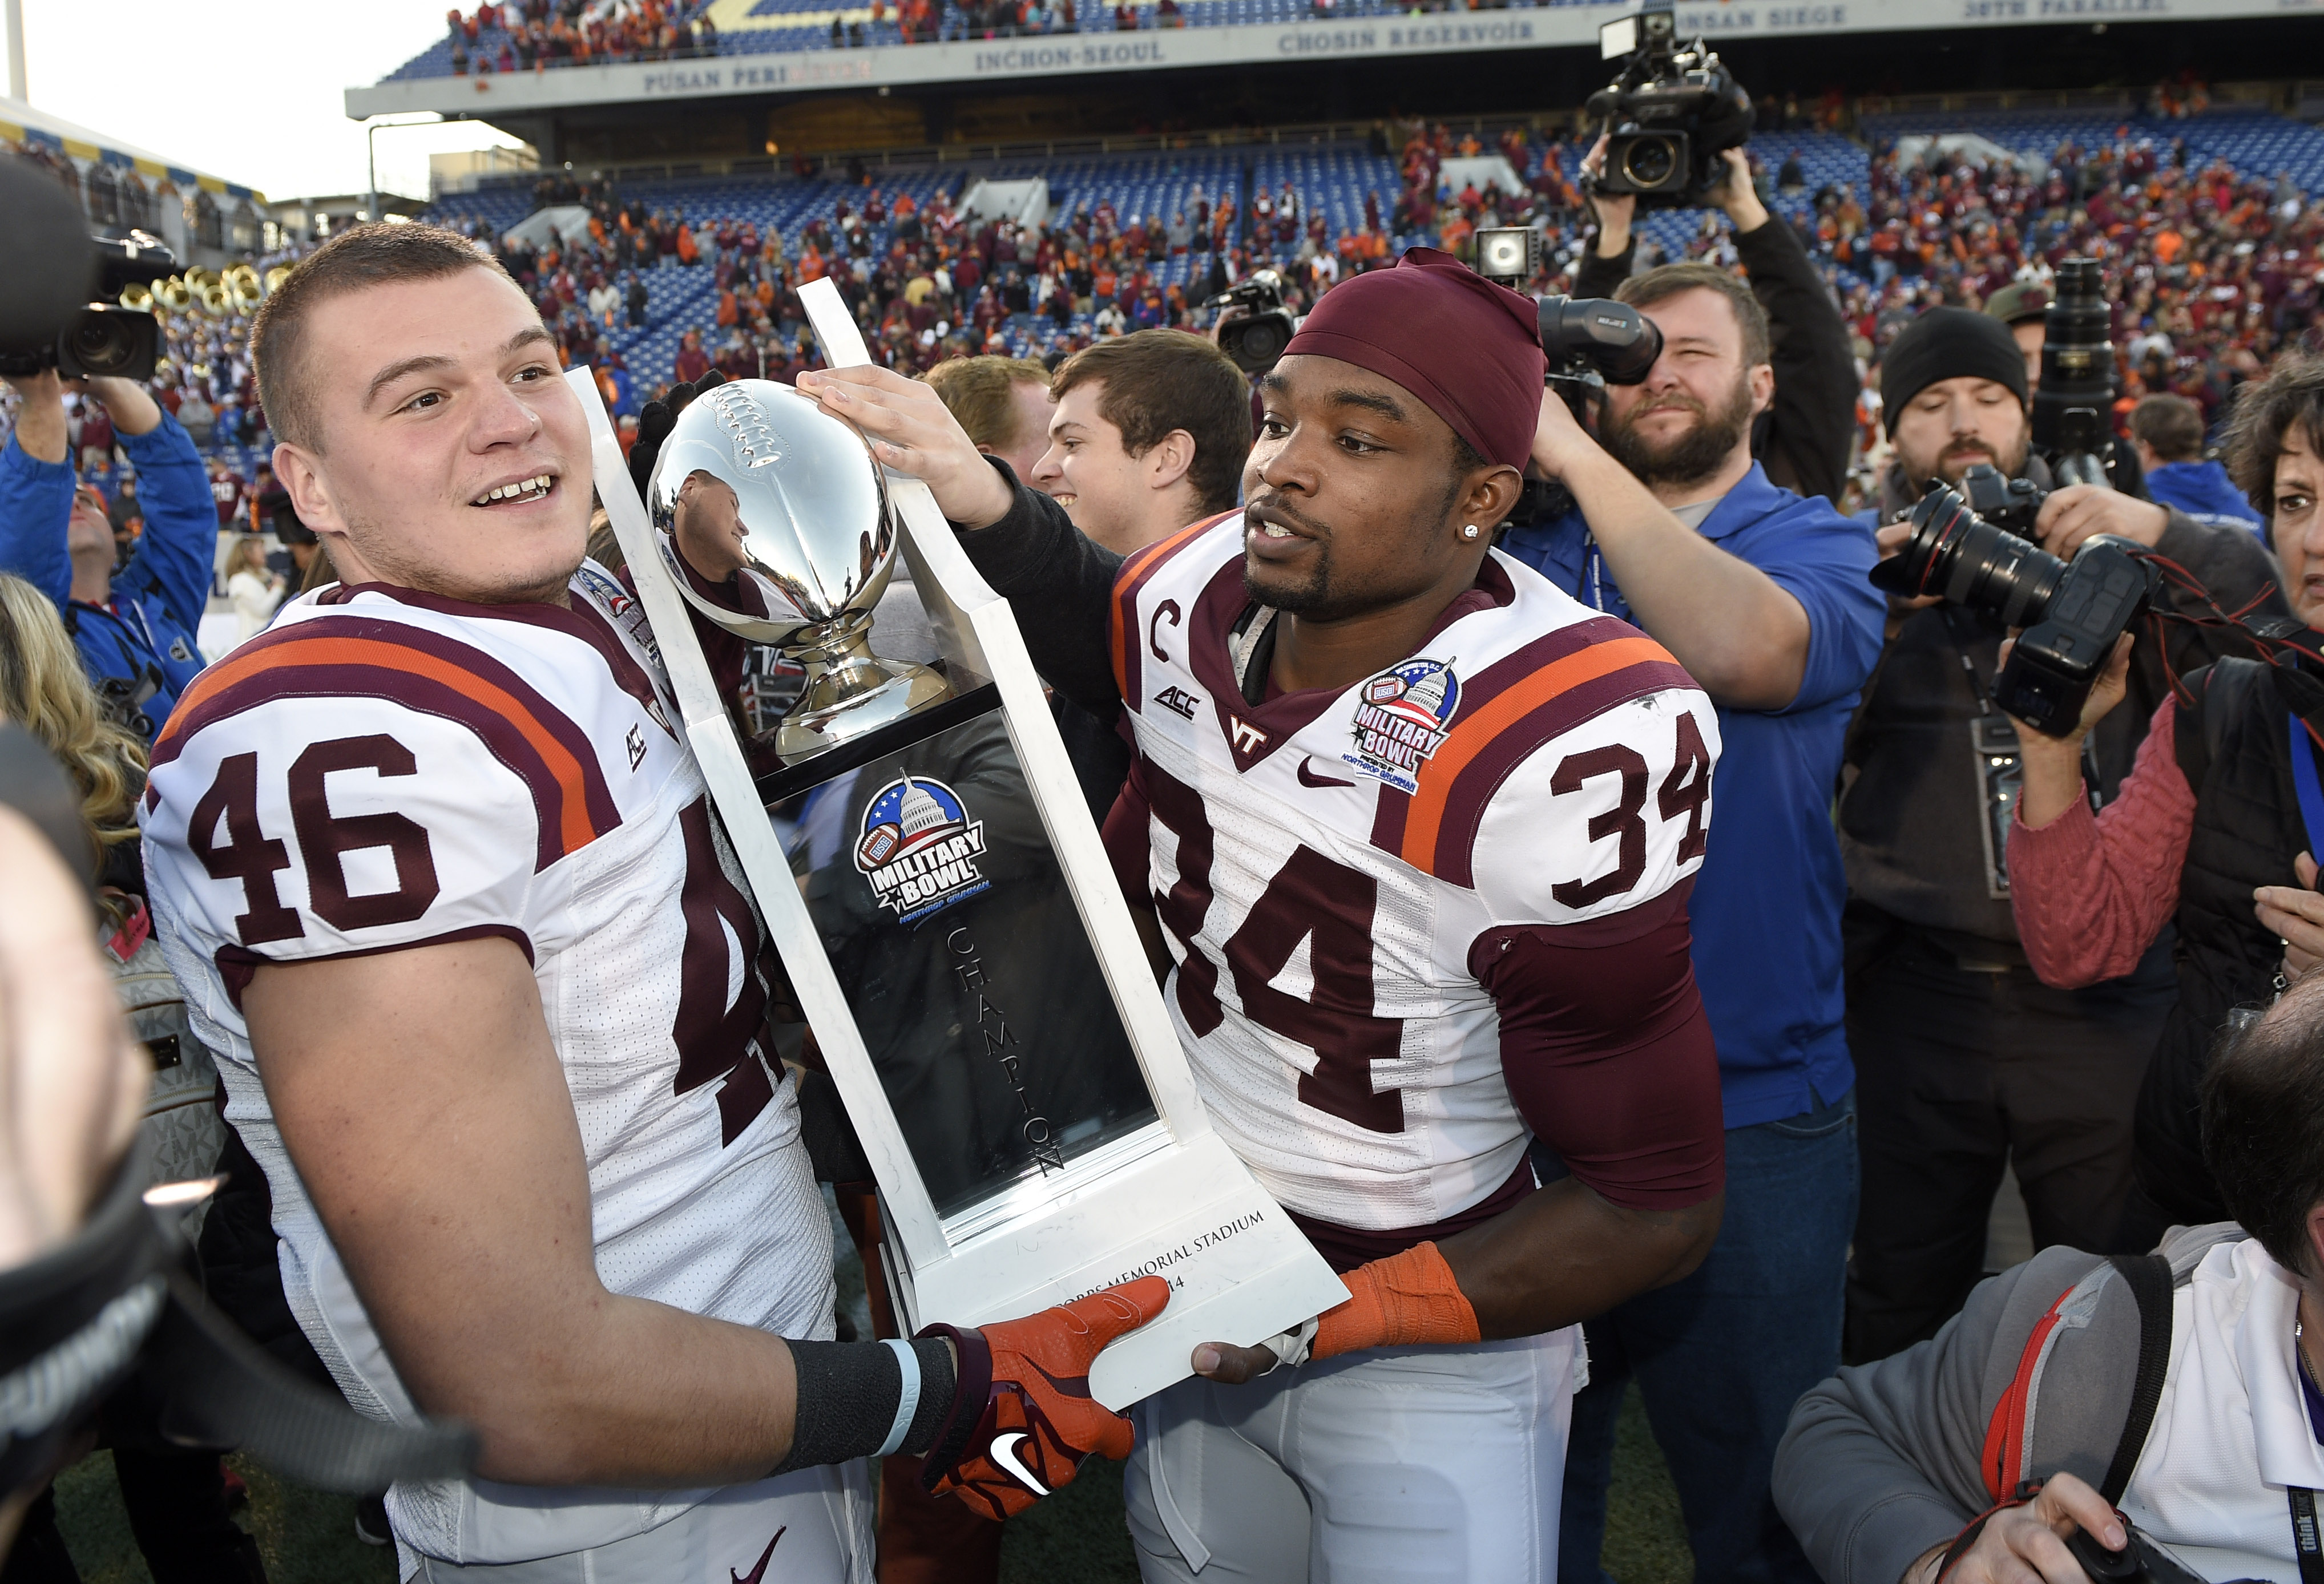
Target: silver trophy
x,y
760,478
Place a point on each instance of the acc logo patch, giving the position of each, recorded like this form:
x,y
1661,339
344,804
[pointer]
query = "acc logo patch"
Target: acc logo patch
x,y
1401,719
920,847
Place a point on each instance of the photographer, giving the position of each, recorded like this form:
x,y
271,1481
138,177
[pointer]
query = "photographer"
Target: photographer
x,y
2211,817
135,630
1806,431
1760,594
2178,1393
1968,1062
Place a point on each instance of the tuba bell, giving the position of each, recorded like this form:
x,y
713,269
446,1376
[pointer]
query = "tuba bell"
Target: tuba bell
x,y
241,283
137,297
170,296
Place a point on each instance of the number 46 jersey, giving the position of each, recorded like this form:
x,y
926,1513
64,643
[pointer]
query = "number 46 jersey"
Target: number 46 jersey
x,y
1360,885
384,770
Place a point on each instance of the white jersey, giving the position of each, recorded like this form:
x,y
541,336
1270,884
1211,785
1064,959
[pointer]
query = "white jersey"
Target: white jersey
x,y
384,769
1328,865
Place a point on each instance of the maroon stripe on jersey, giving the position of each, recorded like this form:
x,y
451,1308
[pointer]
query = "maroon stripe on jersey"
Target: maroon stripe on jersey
x,y
237,965
357,656
1473,788
582,619
1480,689
1129,639
1346,1247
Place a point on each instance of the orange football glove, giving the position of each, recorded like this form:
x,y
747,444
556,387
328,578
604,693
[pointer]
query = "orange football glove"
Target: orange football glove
x,y
1022,1418
1404,1301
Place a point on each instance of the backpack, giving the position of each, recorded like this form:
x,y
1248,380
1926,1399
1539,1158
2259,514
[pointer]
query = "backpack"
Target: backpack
x,y
2002,1463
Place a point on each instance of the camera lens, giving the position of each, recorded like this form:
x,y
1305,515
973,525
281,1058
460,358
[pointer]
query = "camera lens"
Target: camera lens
x,y
1263,339
1955,554
1648,163
102,344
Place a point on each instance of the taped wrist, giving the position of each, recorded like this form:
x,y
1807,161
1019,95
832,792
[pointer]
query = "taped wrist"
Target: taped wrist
x,y
1405,1301
850,1395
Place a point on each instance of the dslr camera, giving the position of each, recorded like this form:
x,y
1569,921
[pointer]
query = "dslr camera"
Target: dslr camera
x,y
103,338
1256,339
1669,115
2073,611
2072,417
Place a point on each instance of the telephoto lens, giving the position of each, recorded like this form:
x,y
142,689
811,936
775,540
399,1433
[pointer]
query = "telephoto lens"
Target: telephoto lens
x,y
2071,613
2073,408
1965,560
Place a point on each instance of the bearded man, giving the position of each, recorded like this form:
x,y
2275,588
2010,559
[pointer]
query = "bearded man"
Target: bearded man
x,y
1761,595
1968,1062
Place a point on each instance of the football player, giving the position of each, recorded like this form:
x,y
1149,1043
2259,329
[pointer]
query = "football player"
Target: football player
x,y
446,894
1419,830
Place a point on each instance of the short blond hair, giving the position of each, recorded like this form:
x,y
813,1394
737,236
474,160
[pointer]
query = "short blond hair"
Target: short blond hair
x,y
978,391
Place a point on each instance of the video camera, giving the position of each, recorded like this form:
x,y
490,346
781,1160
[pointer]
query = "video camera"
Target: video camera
x,y
2073,611
1255,340
1589,343
2073,408
1669,115
104,338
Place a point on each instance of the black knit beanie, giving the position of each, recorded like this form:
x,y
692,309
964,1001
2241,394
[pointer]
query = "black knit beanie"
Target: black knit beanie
x,y
1948,343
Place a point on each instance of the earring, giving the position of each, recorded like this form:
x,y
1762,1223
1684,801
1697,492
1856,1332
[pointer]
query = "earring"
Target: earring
x,y
1470,531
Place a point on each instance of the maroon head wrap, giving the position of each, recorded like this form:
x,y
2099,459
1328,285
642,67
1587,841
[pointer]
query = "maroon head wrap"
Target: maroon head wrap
x,y
1469,349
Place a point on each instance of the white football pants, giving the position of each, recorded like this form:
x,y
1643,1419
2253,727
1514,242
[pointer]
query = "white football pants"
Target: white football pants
x,y
1426,1466
809,1526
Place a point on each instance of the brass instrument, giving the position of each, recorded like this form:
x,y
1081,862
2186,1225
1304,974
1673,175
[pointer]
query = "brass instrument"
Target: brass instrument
x,y
171,296
137,297
275,277
243,284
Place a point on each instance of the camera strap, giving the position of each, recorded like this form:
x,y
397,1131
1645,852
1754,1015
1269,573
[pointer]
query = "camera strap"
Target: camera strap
x,y
112,1302
2306,1543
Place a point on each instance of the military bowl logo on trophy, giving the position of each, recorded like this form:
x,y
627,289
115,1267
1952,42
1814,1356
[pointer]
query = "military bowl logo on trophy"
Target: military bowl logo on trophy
x,y
1401,719
920,847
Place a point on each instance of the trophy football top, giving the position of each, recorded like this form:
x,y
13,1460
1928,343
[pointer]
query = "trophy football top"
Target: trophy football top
x,y
759,480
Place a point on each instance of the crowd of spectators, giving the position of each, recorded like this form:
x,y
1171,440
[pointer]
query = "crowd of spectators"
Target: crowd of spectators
x,y
2211,271
529,35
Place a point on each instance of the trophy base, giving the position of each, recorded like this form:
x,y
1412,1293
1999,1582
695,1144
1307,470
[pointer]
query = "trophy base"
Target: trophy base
x,y
843,702
1239,1270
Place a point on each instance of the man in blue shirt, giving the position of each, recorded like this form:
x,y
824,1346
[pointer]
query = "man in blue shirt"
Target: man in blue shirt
x,y
1762,596
134,629
2168,432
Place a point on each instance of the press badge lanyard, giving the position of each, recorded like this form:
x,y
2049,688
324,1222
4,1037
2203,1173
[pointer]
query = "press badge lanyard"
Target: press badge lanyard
x,y
2311,807
1594,567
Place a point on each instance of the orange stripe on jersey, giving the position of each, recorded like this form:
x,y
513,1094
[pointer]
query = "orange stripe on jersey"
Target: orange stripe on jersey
x,y
1132,576
1475,733
577,827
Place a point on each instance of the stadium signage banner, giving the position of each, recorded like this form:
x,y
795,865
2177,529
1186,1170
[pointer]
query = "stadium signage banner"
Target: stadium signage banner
x,y
1162,50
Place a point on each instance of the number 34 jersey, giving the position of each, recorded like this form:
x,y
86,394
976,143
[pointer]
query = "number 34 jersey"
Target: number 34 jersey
x,y
384,770
1332,868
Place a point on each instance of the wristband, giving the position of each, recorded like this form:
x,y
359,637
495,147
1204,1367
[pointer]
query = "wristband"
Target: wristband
x,y
1405,1300
862,1400
909,1401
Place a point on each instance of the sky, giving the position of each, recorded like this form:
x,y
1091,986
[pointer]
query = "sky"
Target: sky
x,y
251,95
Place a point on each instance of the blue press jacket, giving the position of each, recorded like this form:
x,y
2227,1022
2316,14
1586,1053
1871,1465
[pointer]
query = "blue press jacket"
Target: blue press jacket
x,y
138,647
2203,490
1766,910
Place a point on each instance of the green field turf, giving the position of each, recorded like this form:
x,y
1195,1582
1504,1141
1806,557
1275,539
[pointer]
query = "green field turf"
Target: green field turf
x,y
1076,1537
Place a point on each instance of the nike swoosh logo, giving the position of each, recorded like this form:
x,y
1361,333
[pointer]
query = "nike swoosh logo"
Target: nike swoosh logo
x,y
1308,777
1003,1452
760,1572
